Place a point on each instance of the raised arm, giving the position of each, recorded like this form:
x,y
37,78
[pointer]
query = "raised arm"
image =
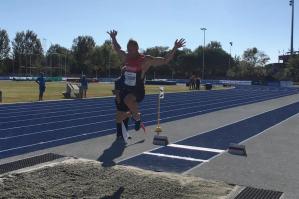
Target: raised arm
x,y
157,61
116,45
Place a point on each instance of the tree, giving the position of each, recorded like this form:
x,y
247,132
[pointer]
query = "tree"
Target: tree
x,y
104,60
4,45
216,60
255,57
4,51
215,45
185,63
292,68
157,51
82,48
251,66
160,71
56,48
58,56
241,70
27,49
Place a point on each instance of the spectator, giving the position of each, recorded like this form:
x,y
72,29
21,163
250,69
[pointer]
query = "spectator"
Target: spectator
x,y
192,82
84,86
41,81
197,83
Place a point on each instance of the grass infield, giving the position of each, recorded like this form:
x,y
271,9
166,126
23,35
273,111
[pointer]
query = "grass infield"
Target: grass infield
x,y
27,91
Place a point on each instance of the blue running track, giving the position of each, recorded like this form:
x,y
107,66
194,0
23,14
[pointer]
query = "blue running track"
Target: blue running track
x,y
30,127
184,155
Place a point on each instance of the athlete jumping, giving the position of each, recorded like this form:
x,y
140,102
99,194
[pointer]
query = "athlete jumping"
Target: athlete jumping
x,y
132,89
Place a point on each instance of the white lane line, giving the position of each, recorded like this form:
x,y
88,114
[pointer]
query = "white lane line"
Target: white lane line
x,y
85,134
172,110
78,102
60,139
196,148
149,108
56,140
243,142
52,130
107,110
221,107
55,116
87,124
101,108
164,106
213,129
62,121
175,157
92,100
147,103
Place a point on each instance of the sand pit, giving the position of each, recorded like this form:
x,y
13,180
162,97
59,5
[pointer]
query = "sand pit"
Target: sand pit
x,y
79,178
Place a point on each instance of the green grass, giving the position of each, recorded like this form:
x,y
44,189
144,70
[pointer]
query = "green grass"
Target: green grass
x,y
27,91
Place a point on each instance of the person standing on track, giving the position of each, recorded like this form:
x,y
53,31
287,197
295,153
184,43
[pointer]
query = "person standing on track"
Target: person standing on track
x,y
41,81
136,65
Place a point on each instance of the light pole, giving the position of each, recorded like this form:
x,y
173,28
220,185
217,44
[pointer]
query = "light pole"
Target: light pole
x,y
65,56
30,64
31,53
230,52
203,52
109,58
60,61
109,64
292,2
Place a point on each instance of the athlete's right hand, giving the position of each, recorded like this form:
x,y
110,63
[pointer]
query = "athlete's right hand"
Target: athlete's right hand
x,y
112,33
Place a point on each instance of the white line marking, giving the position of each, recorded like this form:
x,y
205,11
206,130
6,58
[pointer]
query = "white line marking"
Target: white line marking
x,y
92,98
81,135
94,103
196,148
65,138
87,124
175,157
73,102
105,110
196,167
56,140
145,104
222,107
172,110
213,129
40,132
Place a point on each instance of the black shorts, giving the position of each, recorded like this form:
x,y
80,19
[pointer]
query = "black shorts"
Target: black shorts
x,y
139,93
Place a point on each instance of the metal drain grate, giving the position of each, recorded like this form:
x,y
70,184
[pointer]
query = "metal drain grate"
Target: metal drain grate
x,y
28,162
254,193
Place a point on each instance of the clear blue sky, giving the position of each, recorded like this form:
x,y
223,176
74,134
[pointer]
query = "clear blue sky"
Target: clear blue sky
x,y
264,24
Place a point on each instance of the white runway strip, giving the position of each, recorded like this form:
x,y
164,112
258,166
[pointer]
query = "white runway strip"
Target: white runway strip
x,y
196,148
175,157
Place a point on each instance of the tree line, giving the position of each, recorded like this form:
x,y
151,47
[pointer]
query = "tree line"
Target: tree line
x,y
24,55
